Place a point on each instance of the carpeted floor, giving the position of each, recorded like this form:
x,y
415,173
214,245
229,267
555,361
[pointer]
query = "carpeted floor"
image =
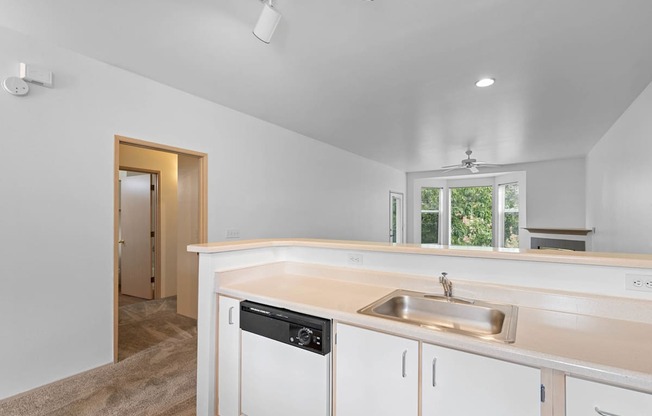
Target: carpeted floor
x,y
145,324
156,375
124,300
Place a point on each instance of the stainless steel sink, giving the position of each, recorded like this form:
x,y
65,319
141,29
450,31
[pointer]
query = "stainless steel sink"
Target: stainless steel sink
x,y
475,318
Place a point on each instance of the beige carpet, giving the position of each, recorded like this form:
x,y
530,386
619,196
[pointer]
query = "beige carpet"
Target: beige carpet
x,y
157,381
146,324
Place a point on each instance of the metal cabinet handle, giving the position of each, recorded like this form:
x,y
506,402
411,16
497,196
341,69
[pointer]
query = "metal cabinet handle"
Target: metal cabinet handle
x,y
603,413
434,372
404,372
231,315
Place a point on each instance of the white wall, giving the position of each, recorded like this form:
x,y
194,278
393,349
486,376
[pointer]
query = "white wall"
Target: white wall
x,y
555,192
56,277
619,191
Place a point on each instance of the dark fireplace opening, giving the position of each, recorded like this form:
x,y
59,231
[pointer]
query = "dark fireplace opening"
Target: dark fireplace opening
x,y
557,244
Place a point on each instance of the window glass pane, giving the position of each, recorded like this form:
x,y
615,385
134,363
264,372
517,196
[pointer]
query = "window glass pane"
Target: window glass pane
x,y
471,216
511,215
430,199
393,221
429,228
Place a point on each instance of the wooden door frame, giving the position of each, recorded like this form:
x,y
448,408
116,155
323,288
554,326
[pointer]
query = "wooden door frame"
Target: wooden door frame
x,y
203,209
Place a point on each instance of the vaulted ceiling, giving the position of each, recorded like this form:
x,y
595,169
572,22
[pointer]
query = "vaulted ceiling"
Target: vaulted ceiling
x,y
389,80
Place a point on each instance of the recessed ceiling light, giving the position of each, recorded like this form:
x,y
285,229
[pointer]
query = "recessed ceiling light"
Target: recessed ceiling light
x,y
485,82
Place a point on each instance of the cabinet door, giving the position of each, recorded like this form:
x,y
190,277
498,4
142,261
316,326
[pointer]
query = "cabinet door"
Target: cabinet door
x,y
456,383
583,397
228,365
376,374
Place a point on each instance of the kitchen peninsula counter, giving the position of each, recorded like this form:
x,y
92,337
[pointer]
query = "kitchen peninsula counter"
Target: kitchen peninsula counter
x,y
574,315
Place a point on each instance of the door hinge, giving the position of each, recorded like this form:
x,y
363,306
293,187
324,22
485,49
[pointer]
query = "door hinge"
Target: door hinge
x,y
153,188
153,233
153,279
543,393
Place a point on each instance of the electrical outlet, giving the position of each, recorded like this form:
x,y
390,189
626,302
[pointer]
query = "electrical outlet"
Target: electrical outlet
x,y
640,282
232,233
354,259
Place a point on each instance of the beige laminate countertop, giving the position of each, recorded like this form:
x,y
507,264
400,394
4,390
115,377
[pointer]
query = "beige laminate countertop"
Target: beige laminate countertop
x,y
548,256
608,350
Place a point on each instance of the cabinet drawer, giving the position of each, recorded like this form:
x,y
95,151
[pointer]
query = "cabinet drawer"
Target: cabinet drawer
x,y
583,397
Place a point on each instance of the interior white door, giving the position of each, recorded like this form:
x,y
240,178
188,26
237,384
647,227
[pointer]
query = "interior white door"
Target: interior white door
x,y
135,231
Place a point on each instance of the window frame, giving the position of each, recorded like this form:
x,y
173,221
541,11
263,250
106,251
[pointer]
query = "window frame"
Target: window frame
x,y
494,180
501,212
439,211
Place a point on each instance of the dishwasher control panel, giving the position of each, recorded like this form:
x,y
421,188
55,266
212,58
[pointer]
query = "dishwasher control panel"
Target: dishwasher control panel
x,y
306,336
303,331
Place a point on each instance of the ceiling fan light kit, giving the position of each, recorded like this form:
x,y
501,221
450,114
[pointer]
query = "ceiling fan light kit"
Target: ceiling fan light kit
x,y
267,22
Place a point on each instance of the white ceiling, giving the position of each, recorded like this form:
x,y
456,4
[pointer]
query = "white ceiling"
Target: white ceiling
x,y
391,80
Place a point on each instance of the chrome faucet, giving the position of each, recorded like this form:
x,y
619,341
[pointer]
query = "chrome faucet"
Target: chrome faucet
x,y
447,284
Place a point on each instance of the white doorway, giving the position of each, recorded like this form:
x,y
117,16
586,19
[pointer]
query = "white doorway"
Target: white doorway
x,y
137,271
396,218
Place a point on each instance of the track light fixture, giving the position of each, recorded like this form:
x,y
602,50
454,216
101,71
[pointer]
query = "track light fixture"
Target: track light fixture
x,y
267,22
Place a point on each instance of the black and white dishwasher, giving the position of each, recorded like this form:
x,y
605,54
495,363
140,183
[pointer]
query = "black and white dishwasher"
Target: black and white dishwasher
x,y
286,362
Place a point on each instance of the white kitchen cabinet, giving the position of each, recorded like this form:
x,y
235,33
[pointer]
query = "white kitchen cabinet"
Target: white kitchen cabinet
x,y
228,365
456,383
586,398
376,374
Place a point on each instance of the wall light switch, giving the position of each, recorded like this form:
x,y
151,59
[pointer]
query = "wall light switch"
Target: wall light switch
x,y
232,233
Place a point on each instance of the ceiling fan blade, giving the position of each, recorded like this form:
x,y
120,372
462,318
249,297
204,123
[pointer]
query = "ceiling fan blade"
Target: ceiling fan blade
x,y
452,166
474,169
487,165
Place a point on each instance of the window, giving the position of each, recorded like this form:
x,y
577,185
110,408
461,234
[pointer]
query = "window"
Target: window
x,y
469,210
509,215
471,216
430,210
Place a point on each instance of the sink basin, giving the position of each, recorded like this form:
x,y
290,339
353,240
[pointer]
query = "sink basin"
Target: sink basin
x,y
475,318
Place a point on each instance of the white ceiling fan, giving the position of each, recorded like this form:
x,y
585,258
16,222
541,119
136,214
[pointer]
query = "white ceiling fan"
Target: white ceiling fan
x,y
468,163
